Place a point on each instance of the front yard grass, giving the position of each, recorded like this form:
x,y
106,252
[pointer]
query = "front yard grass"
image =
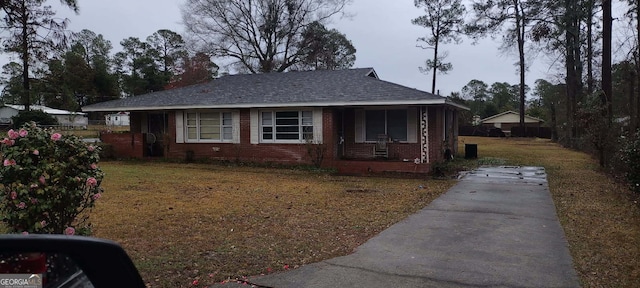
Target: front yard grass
x,y
182,222
601,218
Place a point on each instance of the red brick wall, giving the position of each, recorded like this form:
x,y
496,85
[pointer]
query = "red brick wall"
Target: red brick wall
x,y
125,145
363,167
279,153
294,153
451,140
436,150
245,151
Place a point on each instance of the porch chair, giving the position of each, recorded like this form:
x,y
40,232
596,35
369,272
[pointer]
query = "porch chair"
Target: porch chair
x,y
381,149
151,141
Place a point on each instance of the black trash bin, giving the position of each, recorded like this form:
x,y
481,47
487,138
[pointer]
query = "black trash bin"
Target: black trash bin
x,y
470,151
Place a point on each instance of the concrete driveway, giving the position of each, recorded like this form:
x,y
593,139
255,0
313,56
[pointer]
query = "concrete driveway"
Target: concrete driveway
x,y
496,228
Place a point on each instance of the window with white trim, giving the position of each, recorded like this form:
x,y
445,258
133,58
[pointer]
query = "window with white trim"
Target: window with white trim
x,y
392,123
209,126
286,126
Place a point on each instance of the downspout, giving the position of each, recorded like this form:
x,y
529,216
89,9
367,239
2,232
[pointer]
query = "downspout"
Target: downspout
x,y
455,131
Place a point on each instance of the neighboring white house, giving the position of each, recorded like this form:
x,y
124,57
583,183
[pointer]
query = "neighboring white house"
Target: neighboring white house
x,y
64,117
117,119
509,119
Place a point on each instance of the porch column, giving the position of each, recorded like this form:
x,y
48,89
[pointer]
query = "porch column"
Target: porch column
x,y
455,131
424,134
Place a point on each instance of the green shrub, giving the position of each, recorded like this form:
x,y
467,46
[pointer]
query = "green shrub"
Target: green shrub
x,y
452,168
49,181
491,161
316,151
630,155
106,151
36,116
189,156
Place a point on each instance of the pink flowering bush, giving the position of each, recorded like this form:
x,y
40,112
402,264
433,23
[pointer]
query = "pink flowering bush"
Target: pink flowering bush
x,y
49,181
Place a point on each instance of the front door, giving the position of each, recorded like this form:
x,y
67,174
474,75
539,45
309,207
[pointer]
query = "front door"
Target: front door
x,y
158,123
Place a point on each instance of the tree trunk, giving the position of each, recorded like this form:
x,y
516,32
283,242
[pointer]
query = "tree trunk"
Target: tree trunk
x,y
601,156
607,88
570,89
520,28
637,60
574,70
590,47
554,123
26,96
579,68
522,86
631,93
435,67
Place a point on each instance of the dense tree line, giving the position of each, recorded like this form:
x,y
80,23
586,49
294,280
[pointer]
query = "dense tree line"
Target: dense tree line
x,y
31,31
484,100
592,102
84,70
68,70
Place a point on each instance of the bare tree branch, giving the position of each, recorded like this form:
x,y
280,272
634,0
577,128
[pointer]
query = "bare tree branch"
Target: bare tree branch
x,y
262,35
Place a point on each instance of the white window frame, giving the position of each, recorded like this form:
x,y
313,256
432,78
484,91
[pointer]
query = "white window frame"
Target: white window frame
x,y
307,120
222,113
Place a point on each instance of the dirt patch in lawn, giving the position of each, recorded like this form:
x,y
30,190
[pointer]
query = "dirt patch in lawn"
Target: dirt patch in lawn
x,y
182,222
601,218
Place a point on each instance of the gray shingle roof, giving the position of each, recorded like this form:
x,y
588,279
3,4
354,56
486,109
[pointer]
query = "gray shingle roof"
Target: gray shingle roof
x,y
352,87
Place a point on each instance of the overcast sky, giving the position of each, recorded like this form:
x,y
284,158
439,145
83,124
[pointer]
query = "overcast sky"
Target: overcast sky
x,y
380,30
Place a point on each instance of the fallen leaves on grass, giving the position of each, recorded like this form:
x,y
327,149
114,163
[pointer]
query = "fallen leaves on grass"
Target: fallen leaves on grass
x,y
182,222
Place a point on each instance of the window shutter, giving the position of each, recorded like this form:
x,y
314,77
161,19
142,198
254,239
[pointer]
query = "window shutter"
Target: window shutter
x,y
179,127
317,125
359,129
235,126
412,125
255,126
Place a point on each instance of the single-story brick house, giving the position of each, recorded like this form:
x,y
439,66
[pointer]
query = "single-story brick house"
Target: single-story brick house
x,y
361,123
